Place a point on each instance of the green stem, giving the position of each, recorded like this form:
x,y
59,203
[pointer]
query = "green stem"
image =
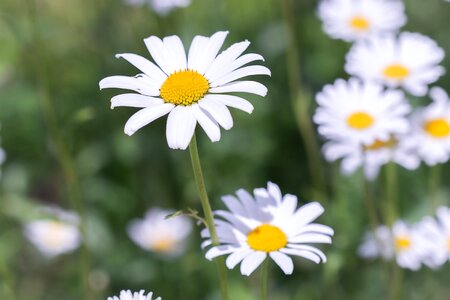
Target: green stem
x,y
209,218
391,194
301,101
7,281
264,279
370,207
62,152
435,178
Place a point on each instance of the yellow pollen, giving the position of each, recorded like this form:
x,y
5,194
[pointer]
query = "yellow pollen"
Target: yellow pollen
x,y
396,71
266,238
360,120
359,23
438,128
163,244
184,87
402,243
378,144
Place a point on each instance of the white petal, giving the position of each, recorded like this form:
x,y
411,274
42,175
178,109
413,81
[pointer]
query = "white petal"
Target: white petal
x,y
240,73
209,125
160,54
251,87
218,111
307,213
234,258
175,47
234,101
134,100
251,262
311,249
224,59
141,84
283,261
219,251
145,66
209,53
198,45
180,127
145,116
302,253
311,238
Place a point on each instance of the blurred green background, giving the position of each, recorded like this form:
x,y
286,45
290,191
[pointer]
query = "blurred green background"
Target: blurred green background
x,y
53,54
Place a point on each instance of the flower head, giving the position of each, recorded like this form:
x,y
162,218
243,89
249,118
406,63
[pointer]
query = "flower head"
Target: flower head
x,y
55,235
267,224
360,111
157,234
351,20
190,88
161,7
410,61
431,129
128,295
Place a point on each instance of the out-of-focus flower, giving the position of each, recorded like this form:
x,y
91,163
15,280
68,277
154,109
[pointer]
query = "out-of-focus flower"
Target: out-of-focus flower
x,y
161,7
406,244
2,159
431,129
55,235
351,20
156,233
268,224
361,111
190,88
410,61
128,295
372,156
435,233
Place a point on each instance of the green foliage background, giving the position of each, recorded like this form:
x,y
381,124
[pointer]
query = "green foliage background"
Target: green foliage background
x,y
56,51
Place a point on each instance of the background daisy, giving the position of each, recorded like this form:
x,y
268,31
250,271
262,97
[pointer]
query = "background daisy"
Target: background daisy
x,y
190,88
128,295
162,7
410,61
267,224
351,20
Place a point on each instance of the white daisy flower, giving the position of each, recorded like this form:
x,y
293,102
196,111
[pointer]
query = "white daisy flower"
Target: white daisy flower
x,y
128,295
443,216
268,224
190,88
2,159
56,235
360,111
351,20
373,156
406,243
410,61
157,234
431,129
162,7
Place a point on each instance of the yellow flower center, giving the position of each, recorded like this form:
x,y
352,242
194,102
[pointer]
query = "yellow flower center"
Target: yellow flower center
x,y
438,128
396,71
378,144
266,238
359,23
360,120
402,243
184,87
164,244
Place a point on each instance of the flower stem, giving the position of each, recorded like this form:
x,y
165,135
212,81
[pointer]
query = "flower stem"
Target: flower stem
x,y
391,194
209,218
434,185
301,102
264,279
62,152
370,207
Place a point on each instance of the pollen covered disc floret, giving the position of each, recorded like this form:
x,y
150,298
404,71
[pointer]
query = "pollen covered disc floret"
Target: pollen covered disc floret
x,y
409,60
363,112
267,224
191,88
352,20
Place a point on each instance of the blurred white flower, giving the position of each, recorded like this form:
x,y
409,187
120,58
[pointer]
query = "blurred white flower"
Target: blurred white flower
x,y
55,235
162,7
406,244
190,88
351,20
2,159
361,111
128,295
431,129
372,156
438,238
156,233
267,224
410,61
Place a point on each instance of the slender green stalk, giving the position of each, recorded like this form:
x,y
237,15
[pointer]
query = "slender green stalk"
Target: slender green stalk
x,y
209,218
301,101
264,279
395,291
391,196
61,149
435,178
7,281
370,207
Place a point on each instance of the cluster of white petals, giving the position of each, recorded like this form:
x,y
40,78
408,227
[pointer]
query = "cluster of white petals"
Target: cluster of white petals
x,y
128,295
